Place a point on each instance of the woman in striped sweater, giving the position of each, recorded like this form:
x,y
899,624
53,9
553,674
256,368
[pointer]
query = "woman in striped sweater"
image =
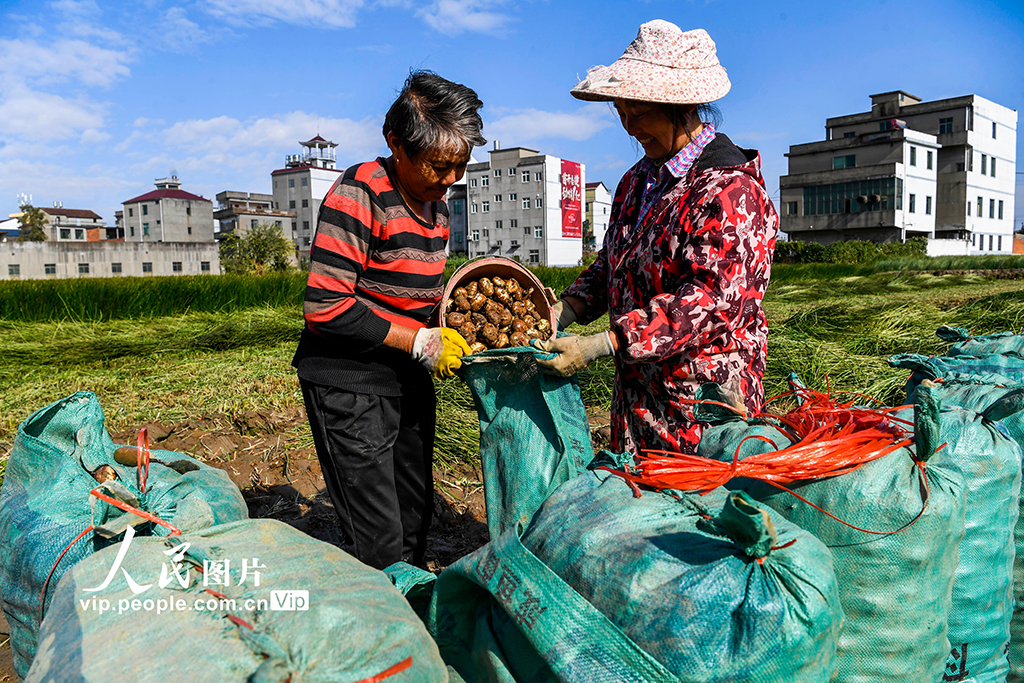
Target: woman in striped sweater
x,y
367,352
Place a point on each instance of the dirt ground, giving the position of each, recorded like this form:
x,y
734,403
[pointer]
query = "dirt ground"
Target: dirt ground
x,y
270,457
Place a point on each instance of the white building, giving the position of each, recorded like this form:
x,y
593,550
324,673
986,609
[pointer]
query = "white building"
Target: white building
x,y
599,209
301,186
944,169
167,214
77,225
242,211
527,206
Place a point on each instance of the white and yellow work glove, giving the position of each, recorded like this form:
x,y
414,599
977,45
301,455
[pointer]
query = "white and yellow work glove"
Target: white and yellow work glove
x,y
565,315
440,349
574,353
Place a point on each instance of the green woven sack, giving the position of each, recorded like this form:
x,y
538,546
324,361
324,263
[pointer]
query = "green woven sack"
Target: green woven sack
x,y
604,587
966,344
314,614
1009,365
895,589
534,433
45,504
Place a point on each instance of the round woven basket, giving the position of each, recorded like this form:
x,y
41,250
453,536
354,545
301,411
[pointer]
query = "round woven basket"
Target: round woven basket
x,y
497,266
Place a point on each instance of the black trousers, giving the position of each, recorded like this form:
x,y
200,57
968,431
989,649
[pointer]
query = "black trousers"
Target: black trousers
x,y
376,454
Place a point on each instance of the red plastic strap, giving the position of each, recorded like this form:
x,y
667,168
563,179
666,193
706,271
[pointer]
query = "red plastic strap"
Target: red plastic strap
x,y
121,505
142,457
387,673
42,592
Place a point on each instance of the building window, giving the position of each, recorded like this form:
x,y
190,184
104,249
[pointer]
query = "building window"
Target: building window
x,y
147,266
83,268
131,211
305,225
458,237
931,156
913,155
295,226
50,268
534,256
970,161
526,176
145,229
512,196
190,229
476,235
538,231
514,243
115,267
65,233
305,203
188,210
511,173
457,206
990,242
497,225
131,231
913,203
487,207
277,224
994,137
485,181
999,243
848,161
14,269
479,253
984,163
472,182
497,173
991,208
291,182
305,182
537,202
928,206
305,241
979,207
513,223
538,176
145,209
487,233
254,223
176,266
792,208
992,168
204,266
849,135
497,199
275,184
527,230
526,203
852,197
968,208
291,204
1000,209
472,207
498,243
946,125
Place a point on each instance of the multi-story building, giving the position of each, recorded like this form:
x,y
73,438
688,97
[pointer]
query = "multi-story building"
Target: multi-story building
x,y
167,214
944,169
241,211
301,186
599,208
527,206
457,217
77,225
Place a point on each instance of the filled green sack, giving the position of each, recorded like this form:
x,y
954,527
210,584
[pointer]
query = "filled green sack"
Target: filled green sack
x,y
895,589
534,433
291,609
1000,401
607,587
45,504
1009,365
966,344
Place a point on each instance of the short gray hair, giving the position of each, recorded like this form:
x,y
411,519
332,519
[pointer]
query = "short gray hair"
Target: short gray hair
x,y
433,113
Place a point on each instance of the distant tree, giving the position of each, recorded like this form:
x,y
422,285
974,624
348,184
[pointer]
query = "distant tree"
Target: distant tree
x,y
262,249
588,235
32,222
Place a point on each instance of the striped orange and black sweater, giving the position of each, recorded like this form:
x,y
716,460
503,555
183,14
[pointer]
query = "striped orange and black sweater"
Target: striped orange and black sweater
x,y
373,263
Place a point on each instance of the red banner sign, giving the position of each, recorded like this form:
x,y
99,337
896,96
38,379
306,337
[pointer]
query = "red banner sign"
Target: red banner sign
x,y
572,200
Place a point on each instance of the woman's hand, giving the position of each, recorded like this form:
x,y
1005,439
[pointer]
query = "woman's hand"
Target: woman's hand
x,y
574,353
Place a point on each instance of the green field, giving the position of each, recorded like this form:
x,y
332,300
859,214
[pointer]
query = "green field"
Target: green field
x,y
205,346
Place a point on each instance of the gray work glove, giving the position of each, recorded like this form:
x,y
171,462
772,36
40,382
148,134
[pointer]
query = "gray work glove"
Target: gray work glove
x,y
574,353
565,315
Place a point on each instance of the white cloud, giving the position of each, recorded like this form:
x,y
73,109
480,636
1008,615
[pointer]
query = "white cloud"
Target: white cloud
x,y
59,61
318,13
40,116
527,125
456,16
180,34
91,136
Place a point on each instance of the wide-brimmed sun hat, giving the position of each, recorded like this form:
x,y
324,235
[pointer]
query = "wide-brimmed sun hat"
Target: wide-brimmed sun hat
x,y
663,64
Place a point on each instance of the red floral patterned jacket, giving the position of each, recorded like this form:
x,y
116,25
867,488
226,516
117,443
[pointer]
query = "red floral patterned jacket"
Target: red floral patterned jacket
x,y
684,290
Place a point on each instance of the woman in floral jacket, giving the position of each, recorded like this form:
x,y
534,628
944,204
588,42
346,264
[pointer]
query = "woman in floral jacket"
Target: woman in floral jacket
x,y
687,255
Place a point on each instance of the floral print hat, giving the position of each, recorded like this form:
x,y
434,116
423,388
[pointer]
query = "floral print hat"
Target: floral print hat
x,y
663,64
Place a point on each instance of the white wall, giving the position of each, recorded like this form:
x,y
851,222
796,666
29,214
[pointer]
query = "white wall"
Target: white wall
x,y
920,181
948,247
32,257
558,250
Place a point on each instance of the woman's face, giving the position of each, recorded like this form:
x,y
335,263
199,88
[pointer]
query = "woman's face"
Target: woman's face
x,y
648,123
427,176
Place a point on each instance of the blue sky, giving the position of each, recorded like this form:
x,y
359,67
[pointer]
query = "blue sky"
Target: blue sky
x,y
99,98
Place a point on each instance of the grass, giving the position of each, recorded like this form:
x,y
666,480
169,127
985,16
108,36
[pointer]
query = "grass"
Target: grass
x,y
834,328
